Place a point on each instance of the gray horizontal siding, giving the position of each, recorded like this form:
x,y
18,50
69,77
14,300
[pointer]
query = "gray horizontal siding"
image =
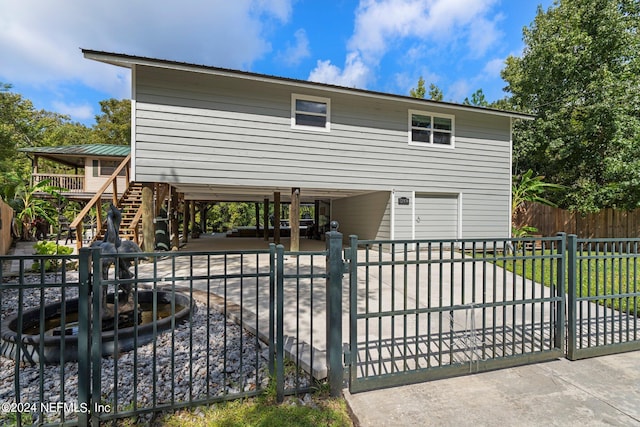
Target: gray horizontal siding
x,y
481,218
202,129
403,216
191,121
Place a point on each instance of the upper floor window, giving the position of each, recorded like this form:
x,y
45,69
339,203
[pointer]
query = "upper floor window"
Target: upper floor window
x,y
431,129
310,112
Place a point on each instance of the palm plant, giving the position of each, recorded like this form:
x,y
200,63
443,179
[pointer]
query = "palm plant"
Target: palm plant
x,y
30,206
528,188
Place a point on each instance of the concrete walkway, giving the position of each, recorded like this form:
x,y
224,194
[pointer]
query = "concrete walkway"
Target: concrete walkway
x,y
591,392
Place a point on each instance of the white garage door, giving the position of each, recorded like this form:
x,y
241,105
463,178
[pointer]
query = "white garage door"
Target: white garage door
x,y
436,217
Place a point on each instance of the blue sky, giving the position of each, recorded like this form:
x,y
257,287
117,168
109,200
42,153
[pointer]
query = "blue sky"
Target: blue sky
x,y
381,45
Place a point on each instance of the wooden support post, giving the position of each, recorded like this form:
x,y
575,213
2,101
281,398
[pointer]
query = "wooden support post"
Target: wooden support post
x,y
276,217
265,219
204,208
173,219
114,196
257,207
294,220
316,217
192,216
148,229
185,221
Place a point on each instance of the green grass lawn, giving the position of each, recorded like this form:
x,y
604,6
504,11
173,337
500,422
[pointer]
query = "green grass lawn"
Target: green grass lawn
x,y
317,409
594,277
262,412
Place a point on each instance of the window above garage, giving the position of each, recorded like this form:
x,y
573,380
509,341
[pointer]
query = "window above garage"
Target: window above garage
x,y
310,112
430,129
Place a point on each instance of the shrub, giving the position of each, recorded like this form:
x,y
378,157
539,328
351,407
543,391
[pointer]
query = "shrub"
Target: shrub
x,y
51,248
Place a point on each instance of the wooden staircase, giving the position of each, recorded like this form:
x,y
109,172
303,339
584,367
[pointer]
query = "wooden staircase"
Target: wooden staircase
x,y
129,205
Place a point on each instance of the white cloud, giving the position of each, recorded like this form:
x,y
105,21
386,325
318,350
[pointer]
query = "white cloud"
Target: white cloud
x,y
294,54
380,23
355,73
40,40
494,67
430,25
460,89
78,112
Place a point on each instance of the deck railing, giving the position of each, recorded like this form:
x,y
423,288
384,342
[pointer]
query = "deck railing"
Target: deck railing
x,y
71,183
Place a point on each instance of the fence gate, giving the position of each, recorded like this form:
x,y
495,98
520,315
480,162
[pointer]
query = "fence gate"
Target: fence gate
x,y
423,310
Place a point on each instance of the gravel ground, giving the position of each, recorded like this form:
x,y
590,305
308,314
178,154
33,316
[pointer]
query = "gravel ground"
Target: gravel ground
x,y
227,361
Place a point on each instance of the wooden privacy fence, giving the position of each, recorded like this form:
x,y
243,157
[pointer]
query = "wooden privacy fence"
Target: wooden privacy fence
x,y
610,223
6,215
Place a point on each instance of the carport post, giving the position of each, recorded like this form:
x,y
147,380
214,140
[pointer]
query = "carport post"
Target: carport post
x,y
265,219
276,217
335,271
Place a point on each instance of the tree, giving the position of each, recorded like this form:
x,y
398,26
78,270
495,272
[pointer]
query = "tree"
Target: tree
x,y
420,91
528,188
18,128
435,94
113,126
580,74
477,98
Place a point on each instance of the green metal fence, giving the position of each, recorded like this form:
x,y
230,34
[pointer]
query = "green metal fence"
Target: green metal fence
x,y
603,296
32,391
251,321
423,310
418,310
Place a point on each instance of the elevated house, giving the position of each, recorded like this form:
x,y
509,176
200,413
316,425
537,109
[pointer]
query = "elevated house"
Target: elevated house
x,y
97,173
92,165
384,166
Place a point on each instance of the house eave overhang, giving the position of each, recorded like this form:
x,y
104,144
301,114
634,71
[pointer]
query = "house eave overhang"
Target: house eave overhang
x,y
130,61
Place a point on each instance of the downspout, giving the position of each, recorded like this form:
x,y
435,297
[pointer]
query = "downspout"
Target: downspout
x,y
509,231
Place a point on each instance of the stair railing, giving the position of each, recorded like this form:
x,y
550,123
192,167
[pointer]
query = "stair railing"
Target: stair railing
x,y
112,181
135,227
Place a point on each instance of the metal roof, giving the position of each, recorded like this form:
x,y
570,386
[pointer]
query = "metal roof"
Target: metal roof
x,y
129,61
73,155
98,150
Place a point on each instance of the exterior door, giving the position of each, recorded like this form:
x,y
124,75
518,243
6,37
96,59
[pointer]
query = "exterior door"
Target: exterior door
x,y
436,217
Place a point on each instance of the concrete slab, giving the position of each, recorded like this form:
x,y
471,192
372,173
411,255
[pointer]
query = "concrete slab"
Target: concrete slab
x,y
591,392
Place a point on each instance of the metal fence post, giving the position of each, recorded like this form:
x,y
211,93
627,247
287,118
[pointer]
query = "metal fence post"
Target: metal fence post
x,y
560,292
96,335
279,323
572,261
84,328
353,307
272,307
335,271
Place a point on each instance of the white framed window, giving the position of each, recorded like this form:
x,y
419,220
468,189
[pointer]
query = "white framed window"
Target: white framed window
x,y
431,129
310,112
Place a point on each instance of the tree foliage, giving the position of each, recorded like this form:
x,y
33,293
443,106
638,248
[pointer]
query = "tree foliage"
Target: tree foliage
x,y
435,94
580,74
29,205
420,91
113,125
477,98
